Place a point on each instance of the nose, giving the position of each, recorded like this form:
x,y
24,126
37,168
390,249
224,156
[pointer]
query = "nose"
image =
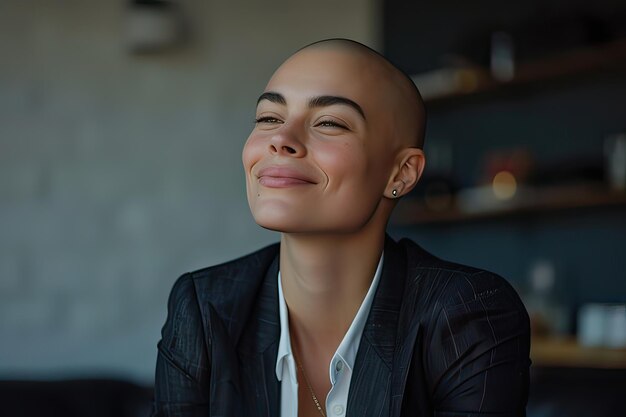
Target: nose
x,y
286,142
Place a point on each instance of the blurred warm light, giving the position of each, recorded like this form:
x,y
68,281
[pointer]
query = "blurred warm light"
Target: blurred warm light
x,y
504,185
467,79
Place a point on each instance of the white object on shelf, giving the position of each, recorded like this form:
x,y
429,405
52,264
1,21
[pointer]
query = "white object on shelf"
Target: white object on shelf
x,y
615,155
602,325
502,59
616,326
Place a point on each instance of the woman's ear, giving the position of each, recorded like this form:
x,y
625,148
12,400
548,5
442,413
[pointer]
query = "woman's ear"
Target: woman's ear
x,y
407,172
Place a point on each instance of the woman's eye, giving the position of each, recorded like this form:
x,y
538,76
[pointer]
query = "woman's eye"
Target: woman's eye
x,y
266,119
330,123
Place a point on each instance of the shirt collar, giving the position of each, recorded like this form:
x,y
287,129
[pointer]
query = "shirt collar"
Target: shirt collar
x,y
284,345
348,347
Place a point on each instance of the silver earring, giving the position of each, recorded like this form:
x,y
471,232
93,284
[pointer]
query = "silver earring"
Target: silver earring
x,y
394,193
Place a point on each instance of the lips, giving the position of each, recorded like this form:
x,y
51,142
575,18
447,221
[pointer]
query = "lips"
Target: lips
x,y
281,177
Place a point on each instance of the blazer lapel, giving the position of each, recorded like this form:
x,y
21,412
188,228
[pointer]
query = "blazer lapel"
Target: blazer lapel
x,y
258,348
371,384
401,367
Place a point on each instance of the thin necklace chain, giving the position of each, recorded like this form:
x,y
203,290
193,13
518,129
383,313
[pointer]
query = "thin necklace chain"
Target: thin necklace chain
x,y
308,384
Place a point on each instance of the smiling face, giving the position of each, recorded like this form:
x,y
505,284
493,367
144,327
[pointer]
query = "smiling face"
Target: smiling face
x,y
322,154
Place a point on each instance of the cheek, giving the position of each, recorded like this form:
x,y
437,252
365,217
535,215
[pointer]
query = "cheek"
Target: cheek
x,y
246,153
344,164
249,155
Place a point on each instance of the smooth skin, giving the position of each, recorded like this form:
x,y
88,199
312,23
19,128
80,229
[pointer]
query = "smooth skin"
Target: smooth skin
x,y
338,129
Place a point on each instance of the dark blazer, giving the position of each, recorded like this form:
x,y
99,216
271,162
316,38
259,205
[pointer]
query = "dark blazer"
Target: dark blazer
x,y
441,339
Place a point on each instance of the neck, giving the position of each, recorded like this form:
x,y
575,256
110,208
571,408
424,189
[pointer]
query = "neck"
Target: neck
x,y
325,279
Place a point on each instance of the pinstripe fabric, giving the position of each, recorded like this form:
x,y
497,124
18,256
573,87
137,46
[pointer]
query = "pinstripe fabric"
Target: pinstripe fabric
x,y
441,339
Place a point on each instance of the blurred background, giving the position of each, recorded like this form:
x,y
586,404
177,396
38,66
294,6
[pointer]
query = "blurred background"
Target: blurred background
x,y
121,127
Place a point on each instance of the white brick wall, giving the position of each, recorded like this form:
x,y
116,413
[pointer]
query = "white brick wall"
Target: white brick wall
x,y
118,172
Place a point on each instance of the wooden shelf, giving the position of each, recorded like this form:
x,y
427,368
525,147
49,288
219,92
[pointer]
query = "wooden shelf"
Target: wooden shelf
x,y
568,353
479,82
414,212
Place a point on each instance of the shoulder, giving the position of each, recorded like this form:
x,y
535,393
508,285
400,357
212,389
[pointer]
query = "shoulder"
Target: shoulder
x,y
202,299
475,334
226,291
438,283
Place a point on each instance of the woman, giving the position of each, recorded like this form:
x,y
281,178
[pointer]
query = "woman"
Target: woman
x,y
338,319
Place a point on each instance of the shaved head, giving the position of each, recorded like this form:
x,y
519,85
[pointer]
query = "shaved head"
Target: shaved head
x,y
337,140
409,109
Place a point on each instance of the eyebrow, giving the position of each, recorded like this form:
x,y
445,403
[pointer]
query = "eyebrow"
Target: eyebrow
x,y
272,97
319,101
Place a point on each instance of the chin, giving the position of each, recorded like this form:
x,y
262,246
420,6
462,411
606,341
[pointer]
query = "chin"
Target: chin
x,y
278,222
297,224
286,217
276,214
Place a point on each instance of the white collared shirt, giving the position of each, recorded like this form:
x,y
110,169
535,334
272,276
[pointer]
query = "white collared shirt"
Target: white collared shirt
x,y
341,364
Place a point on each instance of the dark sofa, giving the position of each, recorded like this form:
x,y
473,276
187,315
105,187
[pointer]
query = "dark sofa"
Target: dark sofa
x,y
74,398
554,392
